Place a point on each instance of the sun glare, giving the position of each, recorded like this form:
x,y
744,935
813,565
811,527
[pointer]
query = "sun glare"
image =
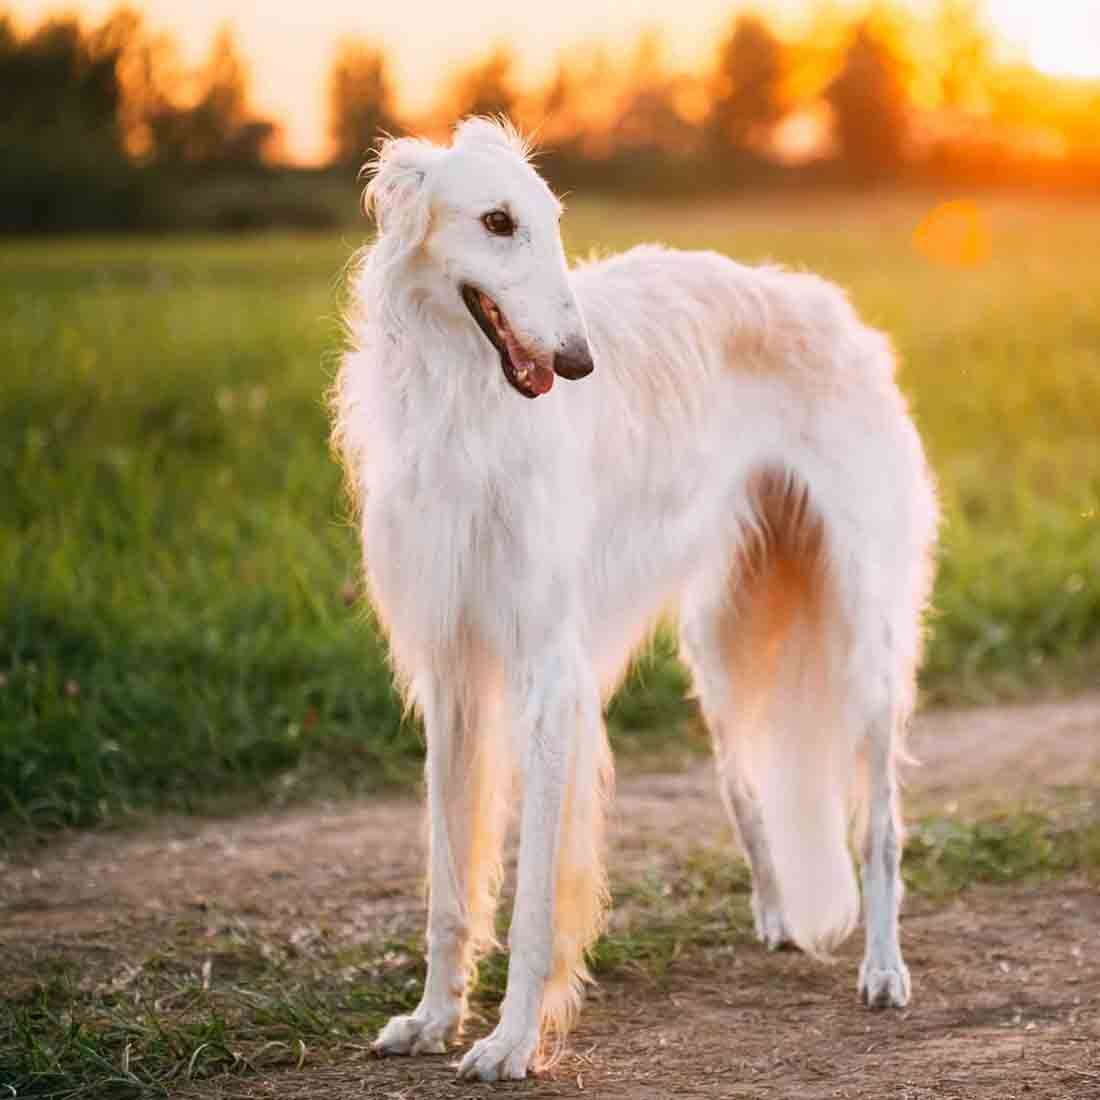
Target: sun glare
x,y
1059,37
1066,54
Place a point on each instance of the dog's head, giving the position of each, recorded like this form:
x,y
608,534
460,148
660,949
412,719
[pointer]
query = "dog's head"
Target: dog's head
x,y
480,226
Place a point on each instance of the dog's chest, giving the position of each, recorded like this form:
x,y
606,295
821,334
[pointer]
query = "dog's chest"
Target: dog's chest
x,y
454,536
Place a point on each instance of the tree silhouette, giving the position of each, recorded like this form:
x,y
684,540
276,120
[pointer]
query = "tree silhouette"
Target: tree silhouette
x,y
484,88
148,74
746,98
360,100
964,53
64,161
870,107
576,109
647,116
219,130
57,76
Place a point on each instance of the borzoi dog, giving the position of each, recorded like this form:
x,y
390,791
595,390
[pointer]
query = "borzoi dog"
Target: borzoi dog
x,y
731,445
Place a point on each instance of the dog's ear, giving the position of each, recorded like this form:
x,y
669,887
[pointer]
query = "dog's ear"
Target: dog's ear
x,y
397,194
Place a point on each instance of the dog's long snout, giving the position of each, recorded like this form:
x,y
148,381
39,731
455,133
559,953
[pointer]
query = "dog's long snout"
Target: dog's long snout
x,y
573,361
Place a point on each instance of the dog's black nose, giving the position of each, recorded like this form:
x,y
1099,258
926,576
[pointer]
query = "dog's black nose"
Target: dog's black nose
x,y
574,362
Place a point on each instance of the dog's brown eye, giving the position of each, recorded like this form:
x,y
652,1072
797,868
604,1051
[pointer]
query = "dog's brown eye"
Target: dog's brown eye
x,y
499,223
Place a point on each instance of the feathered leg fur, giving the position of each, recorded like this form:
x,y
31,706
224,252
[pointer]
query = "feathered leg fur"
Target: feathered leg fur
x,y
468,778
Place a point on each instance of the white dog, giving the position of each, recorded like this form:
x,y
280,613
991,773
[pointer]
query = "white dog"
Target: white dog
x,y
740,454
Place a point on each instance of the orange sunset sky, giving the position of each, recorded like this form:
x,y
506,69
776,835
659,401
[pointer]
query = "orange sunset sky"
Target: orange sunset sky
x,y
289,43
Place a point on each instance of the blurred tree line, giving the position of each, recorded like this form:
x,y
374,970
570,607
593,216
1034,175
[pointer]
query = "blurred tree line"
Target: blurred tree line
x,y
103,127
95,124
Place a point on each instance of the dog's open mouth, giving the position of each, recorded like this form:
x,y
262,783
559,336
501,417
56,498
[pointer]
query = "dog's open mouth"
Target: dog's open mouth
x,y
525,373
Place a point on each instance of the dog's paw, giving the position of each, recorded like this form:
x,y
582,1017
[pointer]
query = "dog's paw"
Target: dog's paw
x,y
771,930
883,986
416,1034
499,1057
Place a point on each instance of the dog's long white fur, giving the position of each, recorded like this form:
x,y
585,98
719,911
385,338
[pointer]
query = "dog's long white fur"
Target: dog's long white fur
x,y
740,455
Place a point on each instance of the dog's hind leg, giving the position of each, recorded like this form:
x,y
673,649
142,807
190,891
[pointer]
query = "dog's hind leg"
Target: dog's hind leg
x,y
468,772
879,602
707,639
883,975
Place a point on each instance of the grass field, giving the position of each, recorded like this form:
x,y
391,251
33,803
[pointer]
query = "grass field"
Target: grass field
x,y
175,564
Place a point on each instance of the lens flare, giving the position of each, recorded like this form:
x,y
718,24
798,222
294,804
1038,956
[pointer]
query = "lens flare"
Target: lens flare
x,y
954,234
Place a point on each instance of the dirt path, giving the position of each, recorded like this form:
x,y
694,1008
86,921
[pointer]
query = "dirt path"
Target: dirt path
x,y
1007,1008
1005,977
357,867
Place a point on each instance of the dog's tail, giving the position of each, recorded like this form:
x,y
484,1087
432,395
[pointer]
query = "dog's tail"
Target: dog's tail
x,y
581,894
790,731
803,776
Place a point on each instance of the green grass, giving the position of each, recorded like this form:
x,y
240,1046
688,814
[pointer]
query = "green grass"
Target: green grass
x,y
175,560
220,999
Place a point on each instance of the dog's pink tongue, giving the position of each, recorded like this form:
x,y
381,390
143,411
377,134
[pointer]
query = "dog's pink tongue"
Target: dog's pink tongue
x,y
538,377
541,378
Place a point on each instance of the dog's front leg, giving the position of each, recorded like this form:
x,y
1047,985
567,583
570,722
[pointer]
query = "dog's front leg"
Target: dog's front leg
x,y
464,836
552,716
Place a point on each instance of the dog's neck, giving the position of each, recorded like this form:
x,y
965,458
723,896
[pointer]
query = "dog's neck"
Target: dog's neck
x,y
433,356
